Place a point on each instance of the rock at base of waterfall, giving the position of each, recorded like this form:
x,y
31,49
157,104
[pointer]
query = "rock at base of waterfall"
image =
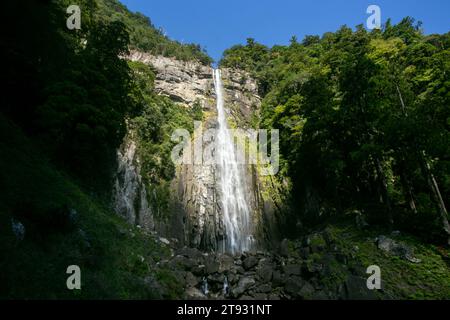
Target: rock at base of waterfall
x,y
191,280
193,293
226,262
250,262
243,284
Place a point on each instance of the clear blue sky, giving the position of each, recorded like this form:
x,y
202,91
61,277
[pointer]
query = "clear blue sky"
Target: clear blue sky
x,y
219,24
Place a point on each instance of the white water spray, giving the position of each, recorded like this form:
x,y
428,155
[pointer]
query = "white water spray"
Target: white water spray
x,y
231,176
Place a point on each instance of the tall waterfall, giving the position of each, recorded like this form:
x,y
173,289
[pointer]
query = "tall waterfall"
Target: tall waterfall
x,y
231,177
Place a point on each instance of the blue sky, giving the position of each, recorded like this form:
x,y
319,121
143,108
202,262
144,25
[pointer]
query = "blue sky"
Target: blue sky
x,y
217,25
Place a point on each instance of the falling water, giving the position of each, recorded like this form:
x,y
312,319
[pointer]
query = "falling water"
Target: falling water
x,y
225,288
205,286
235,209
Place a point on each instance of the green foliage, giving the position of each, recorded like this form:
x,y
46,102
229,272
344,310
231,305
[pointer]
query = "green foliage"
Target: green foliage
x,y
114,257
152,127
401,279
74,94
79,89
69,97
146,37
360,115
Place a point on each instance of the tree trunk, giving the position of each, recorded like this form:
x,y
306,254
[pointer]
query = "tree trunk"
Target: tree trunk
x,y
432,183
434,187
408,192
406,185
384,191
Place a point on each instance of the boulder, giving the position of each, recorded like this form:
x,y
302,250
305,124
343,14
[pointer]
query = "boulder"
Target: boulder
x,y
307,291
265,272
164,240
293,286
211,264
183,263
157,289
190,253
310,268
260,296
191,280
396,248
356,289
277,279
199,270
18,229
226,263
216,282
243,285
193,293
292,269
250,262
264,288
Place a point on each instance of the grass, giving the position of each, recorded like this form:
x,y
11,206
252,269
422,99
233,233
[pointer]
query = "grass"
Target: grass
x,y
401,279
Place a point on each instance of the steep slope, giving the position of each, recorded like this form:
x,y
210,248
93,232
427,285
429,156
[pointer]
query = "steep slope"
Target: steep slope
x,y
48,222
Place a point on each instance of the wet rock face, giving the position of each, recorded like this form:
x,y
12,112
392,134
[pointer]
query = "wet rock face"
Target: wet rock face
x,y
130,195
198,195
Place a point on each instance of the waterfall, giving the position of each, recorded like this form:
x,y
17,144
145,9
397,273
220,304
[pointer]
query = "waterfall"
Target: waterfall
x,y
231,177
226,287
205,286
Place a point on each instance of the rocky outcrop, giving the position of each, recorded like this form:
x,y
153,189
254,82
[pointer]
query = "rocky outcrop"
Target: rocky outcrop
x,y
315,267
241,96
196,190
396,248
130,195
185,82
196,209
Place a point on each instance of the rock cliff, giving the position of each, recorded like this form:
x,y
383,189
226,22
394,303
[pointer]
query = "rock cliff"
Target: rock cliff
x,y
196,209
130,194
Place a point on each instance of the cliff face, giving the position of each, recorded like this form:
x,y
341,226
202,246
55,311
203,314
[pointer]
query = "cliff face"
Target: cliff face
x,y
184,82
130,194
196,218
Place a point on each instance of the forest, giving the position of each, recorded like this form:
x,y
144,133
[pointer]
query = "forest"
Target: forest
x,y
364,120
364,123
